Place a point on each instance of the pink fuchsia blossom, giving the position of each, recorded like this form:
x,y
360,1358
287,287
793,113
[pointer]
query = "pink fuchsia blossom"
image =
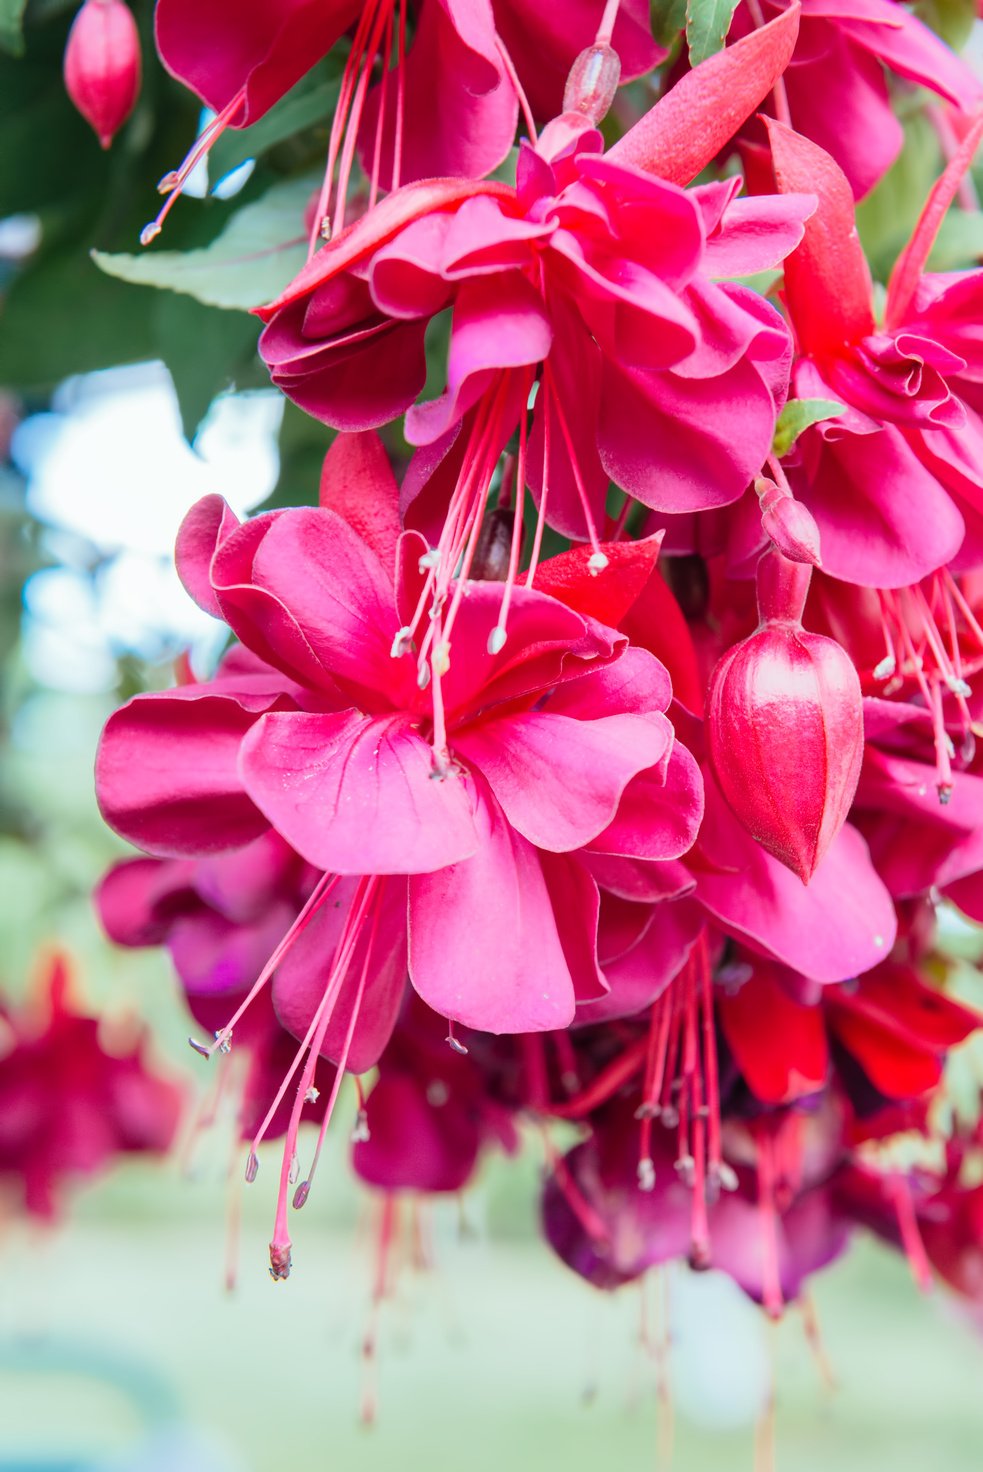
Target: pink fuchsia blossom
x,y
876,478
74,1095
785,725
102,65
835,91
536,278
470,797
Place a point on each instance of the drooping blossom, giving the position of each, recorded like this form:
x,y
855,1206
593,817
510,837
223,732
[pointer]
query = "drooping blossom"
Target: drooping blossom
x,y
835,90
102,65
453,801
595,277
75,1093
894,479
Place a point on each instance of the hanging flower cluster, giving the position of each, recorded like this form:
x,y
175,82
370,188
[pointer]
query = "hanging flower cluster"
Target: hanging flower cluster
x,y
611,767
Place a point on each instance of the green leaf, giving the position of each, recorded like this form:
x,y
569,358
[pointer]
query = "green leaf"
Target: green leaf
x,y
707,24
206,351
797,415
260,249
11,22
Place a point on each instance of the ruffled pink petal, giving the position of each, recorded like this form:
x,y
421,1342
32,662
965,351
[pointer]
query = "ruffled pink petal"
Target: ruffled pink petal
x,y
841,924
559,780
638,975
660,812
459,109
356,795
302,977
485,948
499,322
684,444
167,771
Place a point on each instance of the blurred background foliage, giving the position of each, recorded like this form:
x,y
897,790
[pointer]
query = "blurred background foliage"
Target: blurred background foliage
x,y
125,393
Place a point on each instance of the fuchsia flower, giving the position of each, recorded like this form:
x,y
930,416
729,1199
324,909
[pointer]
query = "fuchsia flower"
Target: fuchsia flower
x,y
834,90
102,65
478,787
895,480
71,1101
595,274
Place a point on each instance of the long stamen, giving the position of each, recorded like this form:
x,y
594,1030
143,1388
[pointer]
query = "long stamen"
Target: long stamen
x,y
598,561
280,1245
223,1037
304,1189
173,184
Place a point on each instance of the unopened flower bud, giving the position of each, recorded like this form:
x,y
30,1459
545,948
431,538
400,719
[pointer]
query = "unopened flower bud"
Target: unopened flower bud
x,y
102,65
785,725
593,82
790,525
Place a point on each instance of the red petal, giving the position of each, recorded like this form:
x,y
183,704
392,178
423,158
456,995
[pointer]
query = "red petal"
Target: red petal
x,y
688,127
827,281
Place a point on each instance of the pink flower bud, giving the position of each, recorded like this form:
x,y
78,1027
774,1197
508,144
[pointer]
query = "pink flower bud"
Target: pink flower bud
x,y
785,726
102,65
593,82
790,525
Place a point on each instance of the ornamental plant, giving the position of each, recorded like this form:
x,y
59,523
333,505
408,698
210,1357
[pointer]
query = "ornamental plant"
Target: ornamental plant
x,y
601,747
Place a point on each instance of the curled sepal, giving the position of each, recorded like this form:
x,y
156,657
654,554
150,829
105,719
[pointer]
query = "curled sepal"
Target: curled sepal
x,y
785,726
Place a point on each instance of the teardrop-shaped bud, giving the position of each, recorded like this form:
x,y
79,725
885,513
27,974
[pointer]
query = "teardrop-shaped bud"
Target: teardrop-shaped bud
x,y
102,65
790,525
785,727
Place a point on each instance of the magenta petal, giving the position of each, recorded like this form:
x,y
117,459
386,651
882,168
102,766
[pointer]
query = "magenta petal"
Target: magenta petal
x,y
499,322
303,975
640,974
660,812
484,943
167,776
840,924
215,956
463,123
128,900
636,683
559,780
355,795
685,444
574,895
203,530
338,594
